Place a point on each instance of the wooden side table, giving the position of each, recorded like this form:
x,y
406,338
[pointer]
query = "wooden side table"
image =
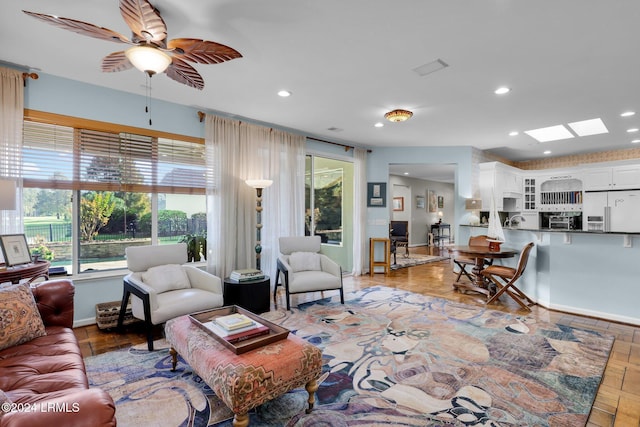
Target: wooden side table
x,y
252,295
31,271
387,255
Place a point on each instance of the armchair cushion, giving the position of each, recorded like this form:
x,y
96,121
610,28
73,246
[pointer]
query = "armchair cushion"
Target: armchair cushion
x,y
20,320
304,261
164,278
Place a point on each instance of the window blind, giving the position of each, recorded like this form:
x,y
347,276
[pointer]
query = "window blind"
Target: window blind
x,y
70,158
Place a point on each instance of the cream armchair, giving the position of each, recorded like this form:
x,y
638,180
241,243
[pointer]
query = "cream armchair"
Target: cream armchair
x,y
161,288
304,269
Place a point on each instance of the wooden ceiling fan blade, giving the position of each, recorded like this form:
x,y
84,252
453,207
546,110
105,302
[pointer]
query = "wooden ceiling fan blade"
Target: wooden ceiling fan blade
x,y
116,61
202,51
184,73
80,27
144,20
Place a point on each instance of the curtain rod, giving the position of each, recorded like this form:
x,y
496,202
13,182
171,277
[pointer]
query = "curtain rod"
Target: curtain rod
x,y
26,76
346,147
202,115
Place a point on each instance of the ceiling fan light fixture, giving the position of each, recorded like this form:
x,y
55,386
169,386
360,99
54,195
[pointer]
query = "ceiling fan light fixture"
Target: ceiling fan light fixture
x,y
398,115
148,59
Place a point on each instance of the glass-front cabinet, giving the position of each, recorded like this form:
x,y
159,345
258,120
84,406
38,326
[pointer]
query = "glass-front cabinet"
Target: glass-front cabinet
x,y
530,194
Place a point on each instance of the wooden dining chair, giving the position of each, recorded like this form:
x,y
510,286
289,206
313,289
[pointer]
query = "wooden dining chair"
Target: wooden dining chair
x,y
505,278
463,262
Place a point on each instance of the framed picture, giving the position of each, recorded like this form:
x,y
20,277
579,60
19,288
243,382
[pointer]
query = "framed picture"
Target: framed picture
x,y
398,203
420,202
433,201
440,202
377,194
15,249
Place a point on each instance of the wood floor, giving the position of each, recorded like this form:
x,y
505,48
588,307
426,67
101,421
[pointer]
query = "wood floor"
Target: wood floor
x,y
617,402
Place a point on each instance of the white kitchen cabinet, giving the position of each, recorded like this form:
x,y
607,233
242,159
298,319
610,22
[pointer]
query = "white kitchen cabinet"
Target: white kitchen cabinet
x,y
502,182
597,179
530,194
625,177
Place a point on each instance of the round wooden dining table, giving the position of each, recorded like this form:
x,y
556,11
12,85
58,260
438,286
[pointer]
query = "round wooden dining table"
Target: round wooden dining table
x,y
479,254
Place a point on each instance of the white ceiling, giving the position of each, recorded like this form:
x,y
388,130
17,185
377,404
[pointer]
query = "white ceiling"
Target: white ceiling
x,y
349,62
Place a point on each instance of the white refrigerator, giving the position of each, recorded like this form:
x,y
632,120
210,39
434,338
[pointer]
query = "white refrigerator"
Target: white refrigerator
x,y
611,211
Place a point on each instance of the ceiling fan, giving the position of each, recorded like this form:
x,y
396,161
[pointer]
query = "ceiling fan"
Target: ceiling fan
x,y
150,51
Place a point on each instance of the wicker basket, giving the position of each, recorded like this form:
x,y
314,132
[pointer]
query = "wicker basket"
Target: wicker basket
x,y
107,314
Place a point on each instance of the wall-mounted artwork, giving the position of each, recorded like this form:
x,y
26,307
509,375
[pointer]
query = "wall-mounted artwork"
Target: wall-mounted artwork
x,y
419,202
433,201
398,203
440,202
376,194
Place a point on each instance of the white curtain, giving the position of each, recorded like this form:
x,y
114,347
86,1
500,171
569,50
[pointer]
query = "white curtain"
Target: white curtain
x,y
359,210
11,117
237,151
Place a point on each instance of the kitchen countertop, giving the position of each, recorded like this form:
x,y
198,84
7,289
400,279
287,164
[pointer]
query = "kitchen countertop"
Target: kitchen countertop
x,y
556,230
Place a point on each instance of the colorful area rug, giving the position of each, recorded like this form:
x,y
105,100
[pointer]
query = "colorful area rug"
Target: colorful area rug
x,y
414,259
391,358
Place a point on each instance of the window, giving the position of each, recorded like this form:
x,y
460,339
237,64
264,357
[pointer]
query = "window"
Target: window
x,y
324,180
94,188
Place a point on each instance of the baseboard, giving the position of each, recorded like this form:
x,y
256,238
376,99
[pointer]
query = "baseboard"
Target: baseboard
x,y
84,322
595,314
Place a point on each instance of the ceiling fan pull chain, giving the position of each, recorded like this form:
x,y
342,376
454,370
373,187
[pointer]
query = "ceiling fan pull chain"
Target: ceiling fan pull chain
x,y
147,108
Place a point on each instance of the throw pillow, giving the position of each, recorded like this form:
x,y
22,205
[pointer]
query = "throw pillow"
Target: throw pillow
x,y
164,278
305,261
20,319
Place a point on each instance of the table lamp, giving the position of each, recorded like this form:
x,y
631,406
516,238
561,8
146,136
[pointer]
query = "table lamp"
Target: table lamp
x,y
473,205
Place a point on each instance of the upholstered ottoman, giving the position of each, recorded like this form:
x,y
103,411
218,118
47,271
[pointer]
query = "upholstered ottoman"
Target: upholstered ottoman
x,y
244,381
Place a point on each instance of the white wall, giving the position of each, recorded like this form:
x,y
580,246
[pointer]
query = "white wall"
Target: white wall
x,y
420,219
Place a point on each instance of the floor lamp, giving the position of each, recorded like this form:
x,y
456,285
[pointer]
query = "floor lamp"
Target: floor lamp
x,y
259,185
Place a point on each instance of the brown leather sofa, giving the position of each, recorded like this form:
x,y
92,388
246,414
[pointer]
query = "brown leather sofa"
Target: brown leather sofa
x,y
45,379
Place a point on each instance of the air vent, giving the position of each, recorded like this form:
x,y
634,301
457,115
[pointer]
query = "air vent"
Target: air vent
x,y
335,129
430,67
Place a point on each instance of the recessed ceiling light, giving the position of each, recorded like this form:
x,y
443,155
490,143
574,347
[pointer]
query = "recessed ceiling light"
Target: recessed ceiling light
x,y
635,141
547,152
406,173
551,133
379,125
514,133
589,127
632,130
502,90
284,93
628,114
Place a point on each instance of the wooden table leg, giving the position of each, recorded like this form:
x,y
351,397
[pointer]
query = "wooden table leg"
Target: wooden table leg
x,y
241,420
174,358
312,387
479,285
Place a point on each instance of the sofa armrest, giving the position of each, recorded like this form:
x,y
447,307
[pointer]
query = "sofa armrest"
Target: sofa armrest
x,y
93,407
141,290
55,301
330,266
201,279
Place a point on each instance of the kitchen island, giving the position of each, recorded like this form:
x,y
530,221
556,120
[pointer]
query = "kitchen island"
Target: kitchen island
x,y
589,273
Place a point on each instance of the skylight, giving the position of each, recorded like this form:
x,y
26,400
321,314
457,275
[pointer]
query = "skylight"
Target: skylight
x,y
589,127
551,133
